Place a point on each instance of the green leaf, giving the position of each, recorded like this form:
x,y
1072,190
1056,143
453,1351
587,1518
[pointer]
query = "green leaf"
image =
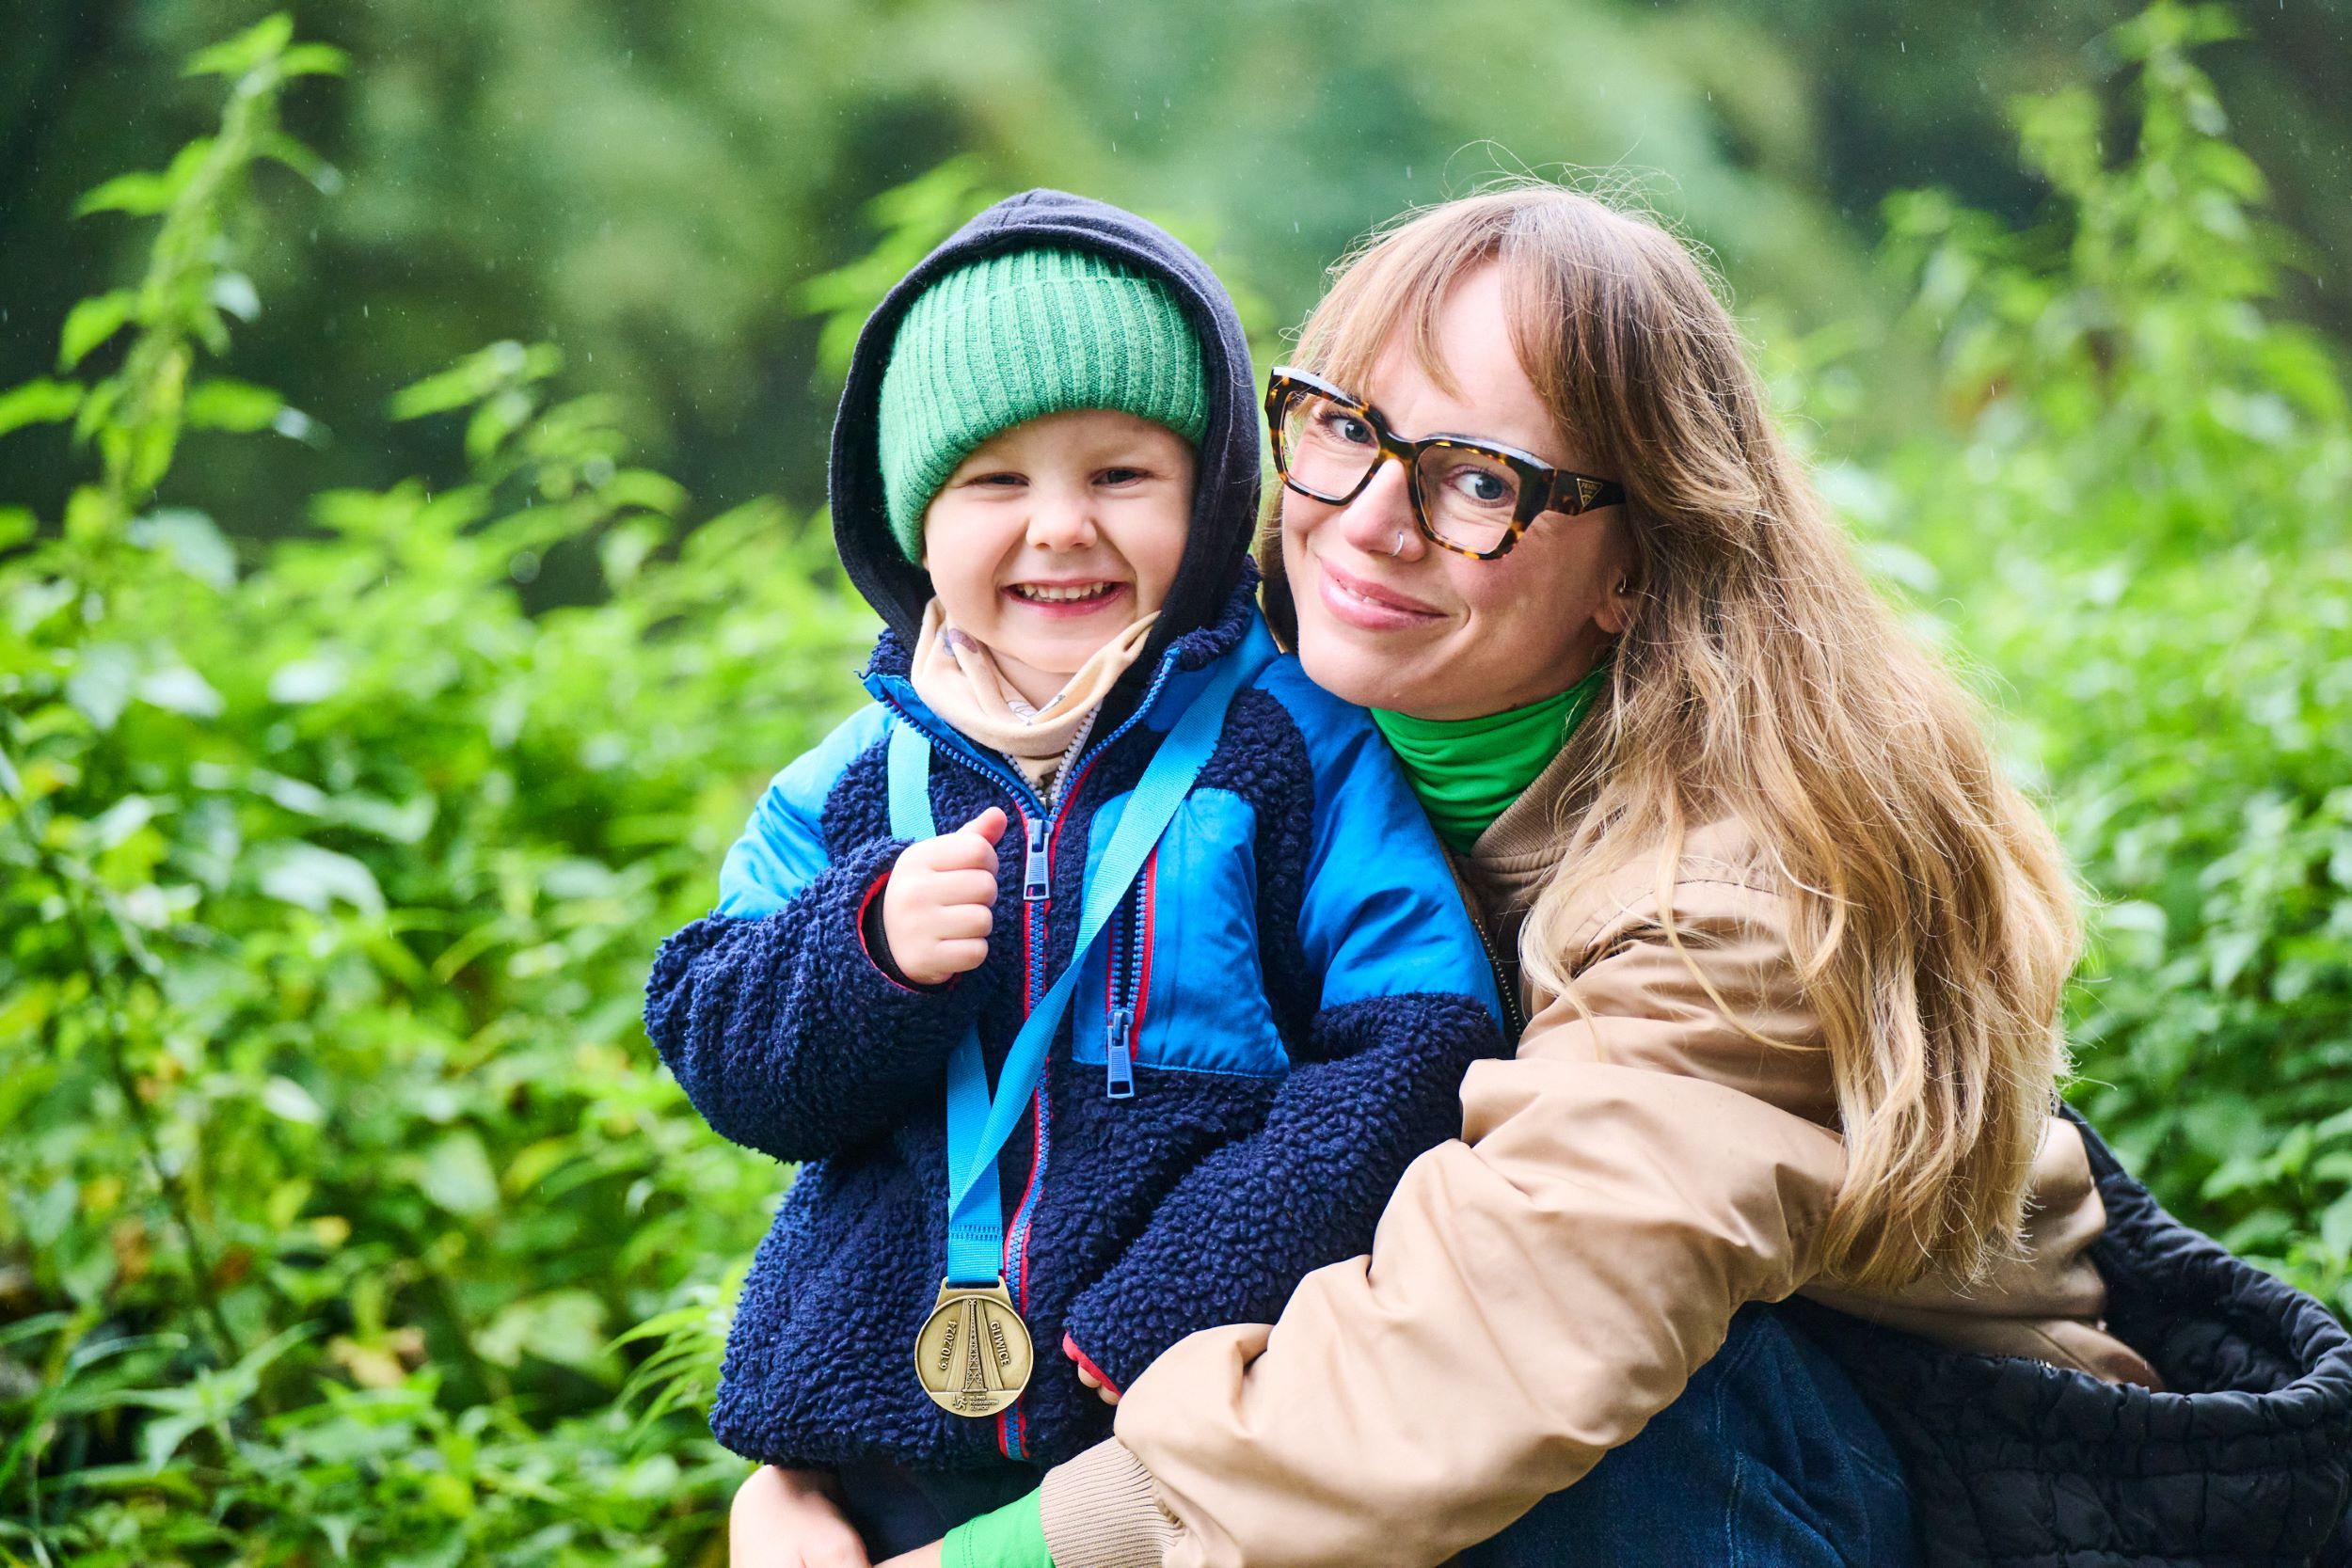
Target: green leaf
x,y
475,377
144,195
234,292
91,323
119,822
562,1326
455,1172
39,403
308,680
293,872
17,525
298,156
2335,1226
265,41
233,406
647,491
192,540
290,1102
105,674
178,688
2232,951
314,60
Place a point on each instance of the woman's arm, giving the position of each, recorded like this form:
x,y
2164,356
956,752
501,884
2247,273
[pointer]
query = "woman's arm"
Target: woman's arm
x,y
1536,1292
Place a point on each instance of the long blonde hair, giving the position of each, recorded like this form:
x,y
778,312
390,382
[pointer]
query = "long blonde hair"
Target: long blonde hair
x,y
1761,679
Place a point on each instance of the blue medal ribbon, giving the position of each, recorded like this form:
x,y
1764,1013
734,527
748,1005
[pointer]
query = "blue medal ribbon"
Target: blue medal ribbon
x,y
978,1123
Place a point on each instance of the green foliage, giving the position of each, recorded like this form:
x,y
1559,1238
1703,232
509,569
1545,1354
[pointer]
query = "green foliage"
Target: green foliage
x,y
339,1170
2143,532
349,1217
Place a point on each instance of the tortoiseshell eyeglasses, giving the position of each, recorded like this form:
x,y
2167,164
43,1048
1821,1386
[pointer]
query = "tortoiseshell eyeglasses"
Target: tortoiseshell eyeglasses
x,y
1474,497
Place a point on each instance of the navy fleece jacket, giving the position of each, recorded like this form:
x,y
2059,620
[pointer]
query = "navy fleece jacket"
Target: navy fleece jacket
x,y
1293,976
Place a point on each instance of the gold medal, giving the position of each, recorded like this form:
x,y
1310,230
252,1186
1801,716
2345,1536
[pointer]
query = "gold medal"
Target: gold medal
x,y
973,1354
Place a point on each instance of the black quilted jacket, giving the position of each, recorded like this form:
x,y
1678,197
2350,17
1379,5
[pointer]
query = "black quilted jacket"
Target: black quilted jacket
x,y
2246,1462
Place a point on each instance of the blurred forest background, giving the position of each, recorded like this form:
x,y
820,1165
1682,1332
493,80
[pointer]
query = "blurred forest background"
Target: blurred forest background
x,y
412,421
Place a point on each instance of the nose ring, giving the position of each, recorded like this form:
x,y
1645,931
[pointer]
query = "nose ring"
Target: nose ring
x,y
1398,548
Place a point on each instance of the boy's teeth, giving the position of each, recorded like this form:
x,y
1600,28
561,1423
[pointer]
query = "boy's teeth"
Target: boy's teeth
x,y
1040,591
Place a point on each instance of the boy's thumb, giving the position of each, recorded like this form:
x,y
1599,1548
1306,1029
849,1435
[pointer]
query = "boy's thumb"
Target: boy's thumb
x,y
991,824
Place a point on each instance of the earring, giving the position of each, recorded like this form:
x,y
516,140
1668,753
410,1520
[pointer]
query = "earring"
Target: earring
x,y
1624,587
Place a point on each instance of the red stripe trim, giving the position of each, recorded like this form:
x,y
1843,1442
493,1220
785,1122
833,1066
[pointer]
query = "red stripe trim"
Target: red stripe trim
x,y
1143,979
1012,1426
1070,1347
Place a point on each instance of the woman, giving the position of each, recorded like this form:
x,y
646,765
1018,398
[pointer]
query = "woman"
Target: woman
x,y
1791,955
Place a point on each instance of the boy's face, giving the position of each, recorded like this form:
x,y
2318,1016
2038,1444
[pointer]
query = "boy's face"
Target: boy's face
x,y
1054,537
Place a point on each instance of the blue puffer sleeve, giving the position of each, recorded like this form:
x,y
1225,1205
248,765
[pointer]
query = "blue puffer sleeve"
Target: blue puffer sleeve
x,y
785,1033
1406,1003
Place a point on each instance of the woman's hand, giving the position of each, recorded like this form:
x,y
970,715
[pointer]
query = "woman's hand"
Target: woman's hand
x,y
789,1519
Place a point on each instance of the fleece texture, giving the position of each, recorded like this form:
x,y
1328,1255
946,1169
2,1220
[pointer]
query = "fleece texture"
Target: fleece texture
x,y
2243,1460
1294,980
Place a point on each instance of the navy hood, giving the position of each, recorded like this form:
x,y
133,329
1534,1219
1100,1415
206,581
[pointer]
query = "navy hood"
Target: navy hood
x,y
1225,497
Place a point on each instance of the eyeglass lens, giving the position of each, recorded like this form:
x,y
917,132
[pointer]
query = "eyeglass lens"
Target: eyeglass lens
x,y
1467,498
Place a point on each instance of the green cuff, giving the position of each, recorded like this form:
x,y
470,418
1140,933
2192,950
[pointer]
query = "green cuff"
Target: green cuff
x,y
1012,1537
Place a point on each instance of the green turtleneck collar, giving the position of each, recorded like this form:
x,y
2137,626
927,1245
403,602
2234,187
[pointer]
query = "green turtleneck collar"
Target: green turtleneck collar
x,y
1467,772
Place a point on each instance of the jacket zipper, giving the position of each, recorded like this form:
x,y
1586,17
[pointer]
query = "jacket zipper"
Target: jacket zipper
x,y
1124,991
1509,993
1037,895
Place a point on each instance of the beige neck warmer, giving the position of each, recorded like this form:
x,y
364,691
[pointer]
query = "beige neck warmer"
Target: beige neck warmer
x,y
959,678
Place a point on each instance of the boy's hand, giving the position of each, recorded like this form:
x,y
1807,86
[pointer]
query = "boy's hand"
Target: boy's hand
x,y
1108,1396
939,904
1102,1391
788,1519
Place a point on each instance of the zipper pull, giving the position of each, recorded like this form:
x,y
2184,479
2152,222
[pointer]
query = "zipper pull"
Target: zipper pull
x,y
1035,885
1119,1054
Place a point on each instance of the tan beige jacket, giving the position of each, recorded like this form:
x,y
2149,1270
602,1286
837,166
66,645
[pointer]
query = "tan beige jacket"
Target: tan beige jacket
x,y
1539,1289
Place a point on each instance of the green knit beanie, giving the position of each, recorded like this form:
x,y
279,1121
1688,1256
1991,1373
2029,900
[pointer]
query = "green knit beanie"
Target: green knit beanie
x,y
1021,334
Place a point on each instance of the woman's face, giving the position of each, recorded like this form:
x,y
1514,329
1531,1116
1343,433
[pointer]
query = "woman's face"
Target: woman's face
x,y
1387,619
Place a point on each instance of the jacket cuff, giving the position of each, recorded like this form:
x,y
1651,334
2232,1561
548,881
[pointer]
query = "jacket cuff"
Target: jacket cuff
x,y
1118,1353
1070,1347
867,977
875,940
1101,1509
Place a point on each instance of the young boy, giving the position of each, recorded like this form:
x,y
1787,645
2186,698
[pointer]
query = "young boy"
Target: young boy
x,y
1045,475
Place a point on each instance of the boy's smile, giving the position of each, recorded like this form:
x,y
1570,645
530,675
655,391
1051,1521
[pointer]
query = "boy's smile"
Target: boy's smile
x,y
1058,534
1067,598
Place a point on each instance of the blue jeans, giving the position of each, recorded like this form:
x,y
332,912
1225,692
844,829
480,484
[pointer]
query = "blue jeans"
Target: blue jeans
x,y
1769,1460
